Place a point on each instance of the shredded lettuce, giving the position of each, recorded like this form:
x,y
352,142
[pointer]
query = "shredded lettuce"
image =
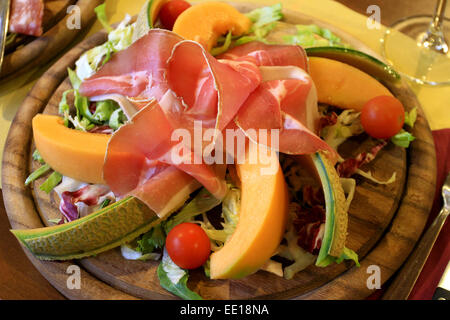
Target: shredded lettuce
x,y
263,20
348,124
202,202
292,251
313,36
131,254
174,279
258,34
230,214
224,48
118,39
265,15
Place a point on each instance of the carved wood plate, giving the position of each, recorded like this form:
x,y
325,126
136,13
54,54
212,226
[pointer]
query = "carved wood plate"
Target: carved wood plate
x,y
385,221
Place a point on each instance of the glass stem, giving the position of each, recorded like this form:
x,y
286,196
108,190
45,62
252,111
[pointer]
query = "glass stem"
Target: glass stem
x,y
439,14
434,37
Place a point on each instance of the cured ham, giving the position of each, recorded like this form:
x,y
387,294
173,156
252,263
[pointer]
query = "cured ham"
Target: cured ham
x,y
26,17
255,86
137,71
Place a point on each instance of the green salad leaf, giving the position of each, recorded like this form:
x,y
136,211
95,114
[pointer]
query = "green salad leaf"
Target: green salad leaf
x,y
101,16
347,254
174,279
202,202
37,174
37,157
411,117
104,110
313,36
403,139
265,15
224,48
153,239
52,181
117,119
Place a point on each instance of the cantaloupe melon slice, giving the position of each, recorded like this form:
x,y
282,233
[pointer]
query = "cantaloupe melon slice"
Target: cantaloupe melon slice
x,y
262,220
342,85
206,22
73,153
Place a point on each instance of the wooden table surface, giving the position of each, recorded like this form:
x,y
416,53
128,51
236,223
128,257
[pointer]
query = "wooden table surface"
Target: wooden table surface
x,y
18,277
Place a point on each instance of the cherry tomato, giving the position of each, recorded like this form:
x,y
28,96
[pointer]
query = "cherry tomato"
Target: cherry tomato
x,y
383,117
188,245
170,12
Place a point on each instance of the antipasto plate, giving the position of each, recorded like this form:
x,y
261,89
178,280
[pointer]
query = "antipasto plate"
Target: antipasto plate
x,y
345,192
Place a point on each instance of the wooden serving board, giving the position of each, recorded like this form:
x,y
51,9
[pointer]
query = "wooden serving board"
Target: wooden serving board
x,y
385,221
29,52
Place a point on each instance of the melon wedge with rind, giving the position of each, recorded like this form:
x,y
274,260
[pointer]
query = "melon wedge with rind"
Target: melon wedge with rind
x,y
98,232
358,59
336,220
147,18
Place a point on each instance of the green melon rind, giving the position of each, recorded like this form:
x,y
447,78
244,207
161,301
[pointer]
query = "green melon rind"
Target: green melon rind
x,y
357,59
336,220
103,230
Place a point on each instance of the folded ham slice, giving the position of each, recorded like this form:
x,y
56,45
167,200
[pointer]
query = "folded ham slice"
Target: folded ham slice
x,y
26,17
256,86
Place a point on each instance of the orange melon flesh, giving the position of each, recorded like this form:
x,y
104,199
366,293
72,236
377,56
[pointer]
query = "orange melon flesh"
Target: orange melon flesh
x,y
262,221
206,22
342,85
73,153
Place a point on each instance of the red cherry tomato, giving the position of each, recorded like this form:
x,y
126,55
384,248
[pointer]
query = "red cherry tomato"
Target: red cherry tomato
x,y
170,12
188,245
383,117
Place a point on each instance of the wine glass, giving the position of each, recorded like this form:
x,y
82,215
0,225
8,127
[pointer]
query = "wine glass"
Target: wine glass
x,y
417,47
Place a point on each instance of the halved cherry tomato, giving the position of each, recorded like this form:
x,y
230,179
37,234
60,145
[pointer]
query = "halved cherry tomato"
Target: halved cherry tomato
x,y
383,117
170,12
188,245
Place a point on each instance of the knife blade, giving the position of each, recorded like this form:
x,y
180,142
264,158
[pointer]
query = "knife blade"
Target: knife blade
x,y
443,289
4,22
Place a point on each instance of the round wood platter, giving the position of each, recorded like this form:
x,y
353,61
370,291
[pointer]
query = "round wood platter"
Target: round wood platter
x,y
28,53
385,221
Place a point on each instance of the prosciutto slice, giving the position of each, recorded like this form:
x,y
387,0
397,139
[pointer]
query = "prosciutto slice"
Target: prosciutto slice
x,y
26,17
137,71
168,84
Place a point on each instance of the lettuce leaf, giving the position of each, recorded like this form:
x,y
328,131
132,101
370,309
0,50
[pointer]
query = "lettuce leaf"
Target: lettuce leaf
x,y
174,279
52,181
313,36
104,110
347,254
265,15
403,139
226,45
411,117
117,119
202,202
37,174
37,156
153,239
100,11
131,254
